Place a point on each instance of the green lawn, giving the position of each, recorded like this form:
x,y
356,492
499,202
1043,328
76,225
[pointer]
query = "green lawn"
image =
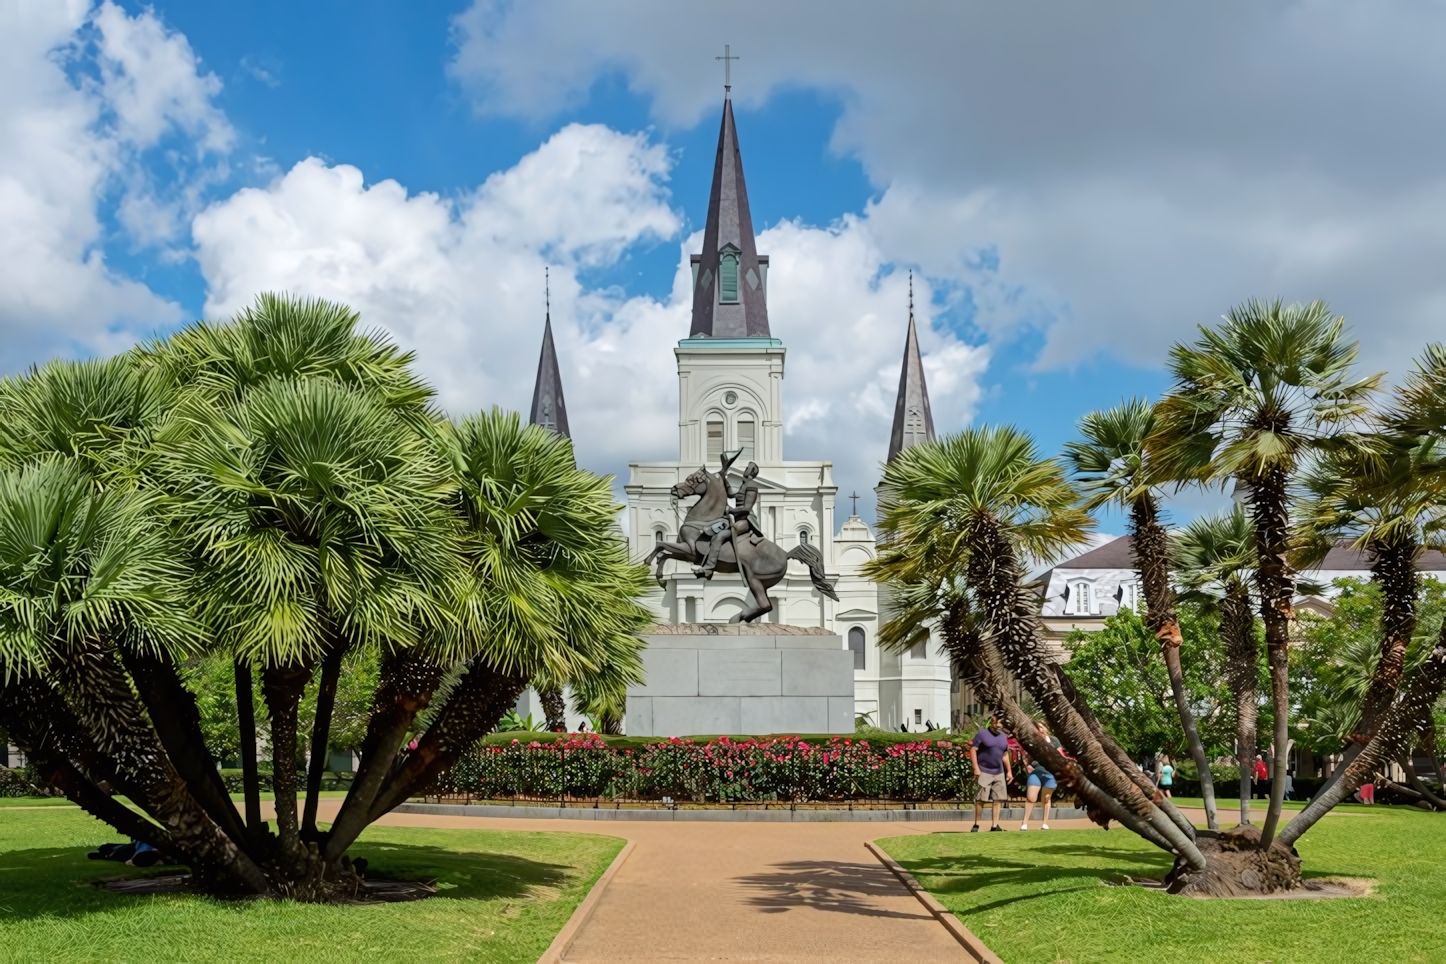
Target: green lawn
x,y
1042,897
504,897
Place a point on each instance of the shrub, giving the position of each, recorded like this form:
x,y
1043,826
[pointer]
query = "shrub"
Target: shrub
x,y
722,770
20,783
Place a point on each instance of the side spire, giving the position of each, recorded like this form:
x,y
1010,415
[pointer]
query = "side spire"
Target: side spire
x,y
730,280
548,408
913,421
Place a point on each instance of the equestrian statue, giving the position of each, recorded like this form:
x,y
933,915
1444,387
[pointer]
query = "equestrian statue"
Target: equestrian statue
x,y
719,537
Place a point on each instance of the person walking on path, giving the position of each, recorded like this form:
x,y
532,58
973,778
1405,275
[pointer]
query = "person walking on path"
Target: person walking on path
x,y
989,758
1041,781
1261,775
1167,776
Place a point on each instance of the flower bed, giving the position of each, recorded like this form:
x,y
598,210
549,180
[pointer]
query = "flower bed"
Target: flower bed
x,y
722,770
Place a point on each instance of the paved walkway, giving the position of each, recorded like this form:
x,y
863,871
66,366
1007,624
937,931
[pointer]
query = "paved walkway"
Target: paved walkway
x,y
695,891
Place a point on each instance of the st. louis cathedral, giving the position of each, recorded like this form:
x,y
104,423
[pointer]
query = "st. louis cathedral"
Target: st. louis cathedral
x,y
731,396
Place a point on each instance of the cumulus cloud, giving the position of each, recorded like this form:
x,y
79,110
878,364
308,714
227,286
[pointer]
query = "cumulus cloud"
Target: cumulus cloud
x,y
1136,169
84,94
460,282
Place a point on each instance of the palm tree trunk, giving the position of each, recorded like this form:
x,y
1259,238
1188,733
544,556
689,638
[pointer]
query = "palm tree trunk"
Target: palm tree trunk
x,y
1393,567
1275,582
406,687
1151,546
282,687
473,709
993,574
553,706
1414,779
54,743
967,651
1392,734
1241,670
246,720
321,733
98,693
177,723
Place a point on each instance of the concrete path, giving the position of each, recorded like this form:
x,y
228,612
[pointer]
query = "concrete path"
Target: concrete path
x,y
746,892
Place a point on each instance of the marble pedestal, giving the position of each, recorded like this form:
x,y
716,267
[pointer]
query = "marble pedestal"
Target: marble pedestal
x,y
709,678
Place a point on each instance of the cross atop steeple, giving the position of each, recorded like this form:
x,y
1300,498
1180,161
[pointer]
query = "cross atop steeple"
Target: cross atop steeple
x,y
727,59
913,421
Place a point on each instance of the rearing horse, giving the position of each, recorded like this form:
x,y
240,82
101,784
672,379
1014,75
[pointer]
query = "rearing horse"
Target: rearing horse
x,y
763,564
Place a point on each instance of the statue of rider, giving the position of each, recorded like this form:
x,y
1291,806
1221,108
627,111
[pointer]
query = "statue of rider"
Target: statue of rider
x,y
742,524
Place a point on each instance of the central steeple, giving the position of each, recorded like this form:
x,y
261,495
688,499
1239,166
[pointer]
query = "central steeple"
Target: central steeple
x,y
730,280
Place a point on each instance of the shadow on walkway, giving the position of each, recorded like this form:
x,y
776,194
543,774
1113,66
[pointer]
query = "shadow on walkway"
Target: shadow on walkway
x,y
830,885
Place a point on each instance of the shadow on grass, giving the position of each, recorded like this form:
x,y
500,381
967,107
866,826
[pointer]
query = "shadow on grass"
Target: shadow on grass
x,y
59,882
831,885
973,873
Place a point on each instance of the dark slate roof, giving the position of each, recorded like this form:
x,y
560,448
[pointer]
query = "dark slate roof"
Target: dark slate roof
x,y
913,421
729,223
1114,554
548,408
1341,558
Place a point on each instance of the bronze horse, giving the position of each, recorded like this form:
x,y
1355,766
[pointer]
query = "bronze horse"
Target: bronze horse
x,y
763,564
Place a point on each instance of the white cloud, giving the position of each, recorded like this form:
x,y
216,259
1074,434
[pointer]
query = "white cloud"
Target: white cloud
x,y
83,94
461,284
1137,168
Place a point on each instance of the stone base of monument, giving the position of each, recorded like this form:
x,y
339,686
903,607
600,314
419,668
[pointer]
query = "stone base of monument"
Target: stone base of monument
x,y
754,678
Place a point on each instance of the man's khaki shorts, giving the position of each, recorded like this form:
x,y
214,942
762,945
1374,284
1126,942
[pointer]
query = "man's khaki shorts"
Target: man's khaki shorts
x,y
991,787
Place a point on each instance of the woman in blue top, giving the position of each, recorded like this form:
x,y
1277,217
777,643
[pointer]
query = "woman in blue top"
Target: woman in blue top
x,y
1167,776
1039,779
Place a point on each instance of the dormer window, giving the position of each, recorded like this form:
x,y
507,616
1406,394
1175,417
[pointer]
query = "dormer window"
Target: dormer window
x,y
1078,602
728,275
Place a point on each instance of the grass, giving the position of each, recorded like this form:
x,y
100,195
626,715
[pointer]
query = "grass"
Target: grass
x,y
1041,897
505,895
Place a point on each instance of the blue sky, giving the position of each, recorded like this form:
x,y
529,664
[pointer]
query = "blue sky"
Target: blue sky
x,y
1071,199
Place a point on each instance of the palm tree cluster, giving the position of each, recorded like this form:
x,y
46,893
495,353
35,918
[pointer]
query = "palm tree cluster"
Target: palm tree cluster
x,y
1266,403
282,492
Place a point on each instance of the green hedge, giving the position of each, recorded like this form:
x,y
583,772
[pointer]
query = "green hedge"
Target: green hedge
x,y
234,780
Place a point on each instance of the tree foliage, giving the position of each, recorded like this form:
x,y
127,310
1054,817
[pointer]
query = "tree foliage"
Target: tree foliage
x,y
275,505
1119,672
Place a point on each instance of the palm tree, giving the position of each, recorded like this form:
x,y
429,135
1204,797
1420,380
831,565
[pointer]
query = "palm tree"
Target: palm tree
x,y
1215,556
279,489
957,517
1416,421
1382,493
551,591
91,596
1110,464
1253,401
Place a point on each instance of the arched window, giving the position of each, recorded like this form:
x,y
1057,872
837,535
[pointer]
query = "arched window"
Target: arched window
x,y
745,440
803,537
728,275
715,441
657,537
1079,601
856,646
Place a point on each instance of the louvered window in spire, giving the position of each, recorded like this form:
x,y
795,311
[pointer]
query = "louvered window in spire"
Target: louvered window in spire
x,y
728,275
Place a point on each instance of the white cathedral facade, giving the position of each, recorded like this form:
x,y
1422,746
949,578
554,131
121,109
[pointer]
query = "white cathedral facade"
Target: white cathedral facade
x,y
731,395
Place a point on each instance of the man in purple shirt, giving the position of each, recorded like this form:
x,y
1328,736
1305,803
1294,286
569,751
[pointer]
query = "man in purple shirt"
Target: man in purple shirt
x,y
989,756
